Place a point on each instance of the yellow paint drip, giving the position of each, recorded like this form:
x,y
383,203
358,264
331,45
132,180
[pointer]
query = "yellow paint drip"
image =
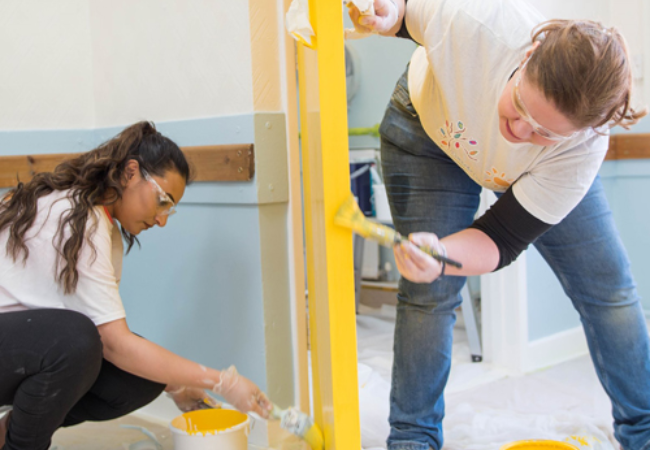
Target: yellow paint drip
x,y
539,445
209,421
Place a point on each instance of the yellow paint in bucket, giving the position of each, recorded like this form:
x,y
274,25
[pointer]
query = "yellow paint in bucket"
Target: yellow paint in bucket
x,y
210,421
223,429
535,444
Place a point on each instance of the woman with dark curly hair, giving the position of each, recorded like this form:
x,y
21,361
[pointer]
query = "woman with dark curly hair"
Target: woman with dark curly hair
x,y
67,354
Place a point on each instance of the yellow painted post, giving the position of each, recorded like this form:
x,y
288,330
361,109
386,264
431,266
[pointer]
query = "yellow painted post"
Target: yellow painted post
x,y
330,271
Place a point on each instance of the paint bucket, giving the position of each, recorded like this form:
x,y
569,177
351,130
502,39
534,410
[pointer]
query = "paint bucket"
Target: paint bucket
x,y
539,444
211,429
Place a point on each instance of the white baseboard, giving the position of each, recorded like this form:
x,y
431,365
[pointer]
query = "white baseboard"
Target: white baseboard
x,y
264,435
555,349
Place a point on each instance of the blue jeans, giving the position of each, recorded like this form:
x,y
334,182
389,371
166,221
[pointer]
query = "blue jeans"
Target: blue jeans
x,y
427,191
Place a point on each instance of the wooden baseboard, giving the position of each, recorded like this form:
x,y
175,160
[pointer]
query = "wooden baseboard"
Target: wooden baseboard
x,y
234,162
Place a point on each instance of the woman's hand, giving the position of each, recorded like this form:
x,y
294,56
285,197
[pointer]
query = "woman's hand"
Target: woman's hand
x,y
190,398
385,18
413,263
242,393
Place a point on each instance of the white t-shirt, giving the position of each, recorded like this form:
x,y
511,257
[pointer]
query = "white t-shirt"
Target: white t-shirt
x,y
470,50
32,285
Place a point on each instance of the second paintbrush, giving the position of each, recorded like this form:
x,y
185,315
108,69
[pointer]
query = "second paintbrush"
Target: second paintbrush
x,y
350,216
429,251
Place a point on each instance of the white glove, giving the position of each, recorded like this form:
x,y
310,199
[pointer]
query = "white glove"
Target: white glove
x,y
242,393
413,263
385,17
190,398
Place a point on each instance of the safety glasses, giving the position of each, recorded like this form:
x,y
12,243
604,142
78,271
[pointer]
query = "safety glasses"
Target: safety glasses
x,y
525,115
165,205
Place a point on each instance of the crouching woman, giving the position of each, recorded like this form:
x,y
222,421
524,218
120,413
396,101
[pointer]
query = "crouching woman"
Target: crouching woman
x,y
66,352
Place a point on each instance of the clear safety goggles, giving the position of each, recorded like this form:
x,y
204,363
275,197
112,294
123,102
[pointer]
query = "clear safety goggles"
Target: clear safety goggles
x,y
525,115
165,205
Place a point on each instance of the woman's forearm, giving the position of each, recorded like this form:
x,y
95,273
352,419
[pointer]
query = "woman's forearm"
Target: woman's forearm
x,y
478,253
146,359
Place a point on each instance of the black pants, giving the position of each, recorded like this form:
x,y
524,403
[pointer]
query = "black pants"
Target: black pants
x,y
53,373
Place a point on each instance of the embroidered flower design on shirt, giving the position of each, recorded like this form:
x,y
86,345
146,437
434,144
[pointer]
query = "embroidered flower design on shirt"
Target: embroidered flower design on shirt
x,y
454,139
499,180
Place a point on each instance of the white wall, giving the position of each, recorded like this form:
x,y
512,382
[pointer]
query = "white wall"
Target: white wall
x,y
170,59
46,78
98,63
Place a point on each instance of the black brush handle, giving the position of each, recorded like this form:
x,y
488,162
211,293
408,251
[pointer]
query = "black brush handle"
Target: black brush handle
x,y
429,251
441,258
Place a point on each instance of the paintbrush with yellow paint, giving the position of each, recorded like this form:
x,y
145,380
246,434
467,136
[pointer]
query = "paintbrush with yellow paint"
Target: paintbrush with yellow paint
x,y
350,216
211,402
300,424
292,420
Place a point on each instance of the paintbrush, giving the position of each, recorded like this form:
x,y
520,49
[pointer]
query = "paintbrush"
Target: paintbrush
x,y
292,420
300,424
350,216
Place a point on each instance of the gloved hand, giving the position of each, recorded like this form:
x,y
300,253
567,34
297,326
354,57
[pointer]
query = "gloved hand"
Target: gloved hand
x,y
242,393
385,18
413,263
190,398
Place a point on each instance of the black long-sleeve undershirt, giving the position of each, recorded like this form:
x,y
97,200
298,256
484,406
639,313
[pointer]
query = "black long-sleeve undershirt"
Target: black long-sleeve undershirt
x,y
510,226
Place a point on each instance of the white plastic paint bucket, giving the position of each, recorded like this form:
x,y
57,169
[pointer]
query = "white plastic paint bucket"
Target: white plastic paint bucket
x,y
211,429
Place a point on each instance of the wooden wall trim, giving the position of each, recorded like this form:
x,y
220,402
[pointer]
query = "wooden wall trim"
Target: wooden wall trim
x,y
233,162
629,146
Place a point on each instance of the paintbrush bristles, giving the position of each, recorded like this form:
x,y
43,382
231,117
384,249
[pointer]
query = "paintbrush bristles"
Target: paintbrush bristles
x,y
350,216
299,424
348,213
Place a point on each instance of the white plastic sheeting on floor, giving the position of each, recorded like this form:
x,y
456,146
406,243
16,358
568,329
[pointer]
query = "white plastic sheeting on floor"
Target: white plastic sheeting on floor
x,y
486,409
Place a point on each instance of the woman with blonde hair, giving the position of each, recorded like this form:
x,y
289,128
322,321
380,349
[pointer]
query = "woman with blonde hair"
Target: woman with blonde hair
x,y
498,98
67,354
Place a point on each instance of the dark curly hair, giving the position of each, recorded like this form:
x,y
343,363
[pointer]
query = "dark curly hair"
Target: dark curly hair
x,y
93,178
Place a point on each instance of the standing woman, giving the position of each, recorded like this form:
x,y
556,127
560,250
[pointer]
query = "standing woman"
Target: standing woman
x,y
66,352
482,105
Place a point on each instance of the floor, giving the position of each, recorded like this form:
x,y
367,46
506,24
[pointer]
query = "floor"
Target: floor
x,y
127,433
485,408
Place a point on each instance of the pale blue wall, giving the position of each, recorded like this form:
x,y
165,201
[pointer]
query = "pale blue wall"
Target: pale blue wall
x,y
382,61
195,286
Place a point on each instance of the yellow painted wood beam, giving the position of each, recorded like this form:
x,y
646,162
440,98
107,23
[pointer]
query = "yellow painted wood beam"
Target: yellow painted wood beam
x,y
330,271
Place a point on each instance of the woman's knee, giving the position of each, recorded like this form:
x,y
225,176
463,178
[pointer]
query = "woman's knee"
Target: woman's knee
x,y
75,343
441,296
135,395
148,392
